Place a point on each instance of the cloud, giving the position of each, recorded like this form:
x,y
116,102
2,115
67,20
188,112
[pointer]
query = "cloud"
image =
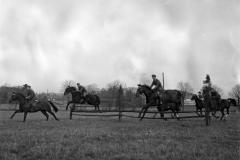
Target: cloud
x,y
46,42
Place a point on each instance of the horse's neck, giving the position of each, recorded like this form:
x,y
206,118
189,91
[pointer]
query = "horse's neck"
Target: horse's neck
x,y
197,100
21,99
148,95
147,98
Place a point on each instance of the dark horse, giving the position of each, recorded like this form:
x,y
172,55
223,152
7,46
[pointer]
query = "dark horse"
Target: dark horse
x,y
226,103
199,104
78,98
26,106
169,97
220,106
232,101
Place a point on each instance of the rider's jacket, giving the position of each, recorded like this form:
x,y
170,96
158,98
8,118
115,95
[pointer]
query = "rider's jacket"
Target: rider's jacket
x,y
157,84
82,90
200,96
30,94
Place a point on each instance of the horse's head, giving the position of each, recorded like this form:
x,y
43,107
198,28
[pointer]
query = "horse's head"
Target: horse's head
x,y
143,89
232,101
17,97
69,89
194,97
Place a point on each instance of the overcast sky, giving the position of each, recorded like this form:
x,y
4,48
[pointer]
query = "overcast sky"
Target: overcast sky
x,y
45,42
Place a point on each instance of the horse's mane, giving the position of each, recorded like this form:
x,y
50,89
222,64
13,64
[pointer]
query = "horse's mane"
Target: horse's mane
x,y
146,86
71,87
19,93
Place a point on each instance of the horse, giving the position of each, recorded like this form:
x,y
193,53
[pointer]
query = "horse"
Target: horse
x,y
25,106
199,104
232,101
168,97
226,104
78,98
220,105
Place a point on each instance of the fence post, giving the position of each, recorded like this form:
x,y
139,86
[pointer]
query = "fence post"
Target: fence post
x,y
207,113
72,110
71,113
120,93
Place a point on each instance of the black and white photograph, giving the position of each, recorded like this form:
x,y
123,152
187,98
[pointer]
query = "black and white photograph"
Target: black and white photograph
x,y
119,79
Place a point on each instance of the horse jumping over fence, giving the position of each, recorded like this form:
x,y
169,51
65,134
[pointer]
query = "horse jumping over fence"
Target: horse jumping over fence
x,y
26,106
77,98
169,97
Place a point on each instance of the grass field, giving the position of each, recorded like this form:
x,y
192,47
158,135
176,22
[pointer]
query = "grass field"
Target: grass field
x,y
106,138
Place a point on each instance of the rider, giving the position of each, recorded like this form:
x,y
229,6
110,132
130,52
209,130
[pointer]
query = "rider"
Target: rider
x,y
82,90
200,95
157,89
29,94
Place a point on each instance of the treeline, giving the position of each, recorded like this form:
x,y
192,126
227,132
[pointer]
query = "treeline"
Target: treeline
x,y
109,95
6,91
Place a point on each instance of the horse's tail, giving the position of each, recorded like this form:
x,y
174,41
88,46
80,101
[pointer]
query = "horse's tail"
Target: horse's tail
x,y
53,105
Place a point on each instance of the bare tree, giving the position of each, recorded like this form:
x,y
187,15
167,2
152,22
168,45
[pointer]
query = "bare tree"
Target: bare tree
x,y
235,93
67,83
185,88
114,86
113,90
92,88
145,79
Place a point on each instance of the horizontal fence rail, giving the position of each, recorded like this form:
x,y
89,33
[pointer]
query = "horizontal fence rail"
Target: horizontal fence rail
x,y
123,113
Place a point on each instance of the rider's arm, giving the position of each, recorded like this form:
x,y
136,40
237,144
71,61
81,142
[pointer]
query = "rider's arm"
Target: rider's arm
x,y
159,84
152,84
30,95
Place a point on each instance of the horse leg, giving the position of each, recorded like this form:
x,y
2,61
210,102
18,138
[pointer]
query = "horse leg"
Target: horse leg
x,y
17,111
98,108
198,110
161,112
53,115
228,110
222,111
174,113
140,113
144,112
25,116
45,114
177,111
214,115
201,111
68,105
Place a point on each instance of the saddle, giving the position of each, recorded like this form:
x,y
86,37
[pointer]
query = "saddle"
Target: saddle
x,y
160,96
33,103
